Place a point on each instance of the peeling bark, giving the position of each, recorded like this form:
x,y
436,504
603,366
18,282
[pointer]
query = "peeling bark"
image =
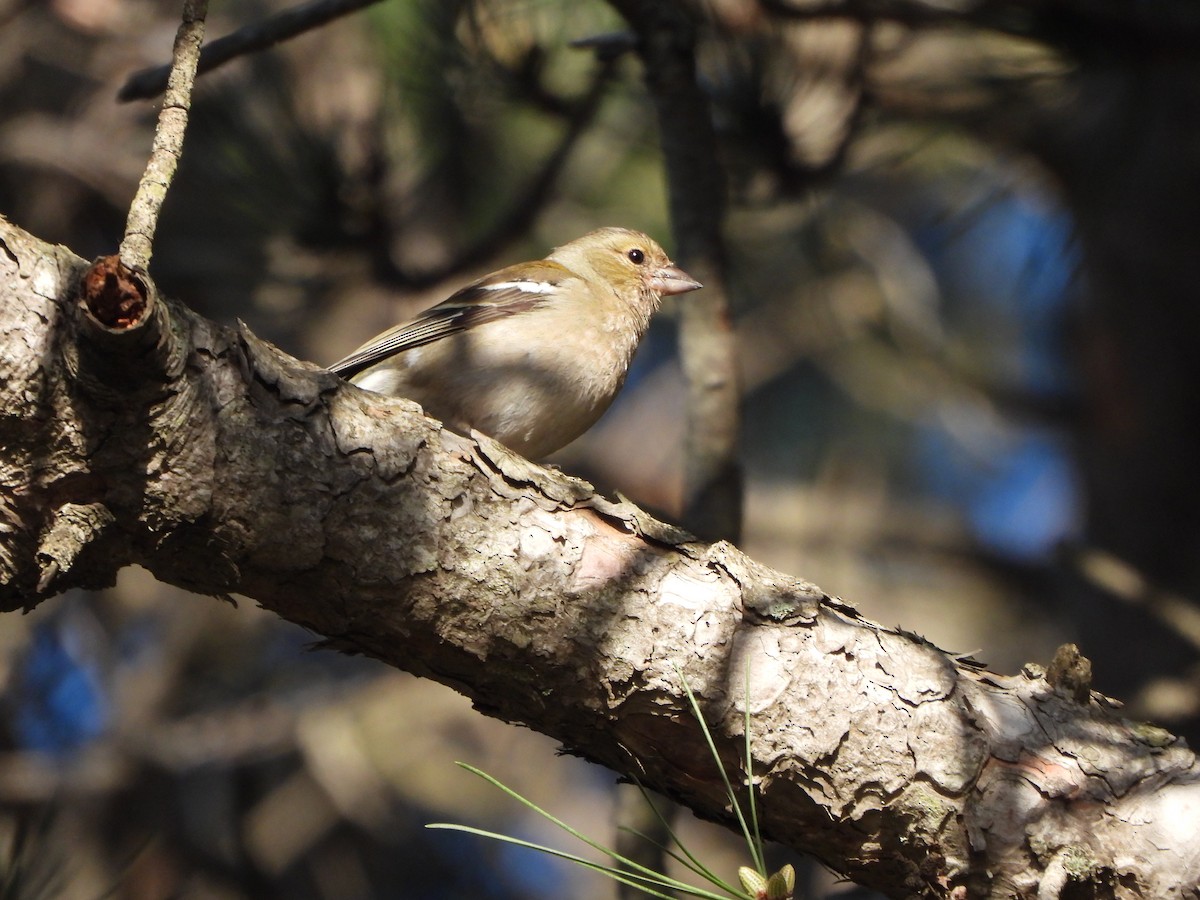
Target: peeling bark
x,y
237,468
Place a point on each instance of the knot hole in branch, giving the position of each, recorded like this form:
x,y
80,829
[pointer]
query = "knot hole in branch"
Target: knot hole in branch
x,y
115,295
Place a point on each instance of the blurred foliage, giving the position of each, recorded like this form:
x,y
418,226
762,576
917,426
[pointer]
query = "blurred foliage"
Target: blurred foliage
x,y
905,244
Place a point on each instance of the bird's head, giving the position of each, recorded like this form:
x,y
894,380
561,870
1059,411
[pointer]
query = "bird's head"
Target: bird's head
x,y
624,258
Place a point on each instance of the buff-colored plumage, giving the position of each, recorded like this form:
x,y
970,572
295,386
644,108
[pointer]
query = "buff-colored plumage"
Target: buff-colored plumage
x,y
533,354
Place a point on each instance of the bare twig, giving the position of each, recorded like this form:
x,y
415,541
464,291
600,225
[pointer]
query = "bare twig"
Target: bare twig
x,y
138,244
249,39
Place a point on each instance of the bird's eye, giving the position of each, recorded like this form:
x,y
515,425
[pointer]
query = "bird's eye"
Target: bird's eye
x,y
636,256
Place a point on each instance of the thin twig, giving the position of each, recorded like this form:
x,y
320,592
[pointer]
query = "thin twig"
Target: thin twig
x,y
250,38
138,244
530,200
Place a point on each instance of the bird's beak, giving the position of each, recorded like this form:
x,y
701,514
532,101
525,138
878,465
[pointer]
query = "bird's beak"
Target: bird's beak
x,y
671,279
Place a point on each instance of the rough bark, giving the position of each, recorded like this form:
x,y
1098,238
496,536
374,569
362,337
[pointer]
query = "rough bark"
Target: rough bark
x,y
223,465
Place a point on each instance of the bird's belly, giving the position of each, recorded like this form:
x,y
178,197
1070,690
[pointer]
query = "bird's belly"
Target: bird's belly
x,y
535,406
529,412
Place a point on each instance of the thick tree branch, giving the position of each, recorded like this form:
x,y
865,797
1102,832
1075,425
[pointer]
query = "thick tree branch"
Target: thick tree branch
x,y
239,469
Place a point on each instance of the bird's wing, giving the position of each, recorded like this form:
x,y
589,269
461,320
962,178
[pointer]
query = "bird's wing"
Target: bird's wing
x,y
508,292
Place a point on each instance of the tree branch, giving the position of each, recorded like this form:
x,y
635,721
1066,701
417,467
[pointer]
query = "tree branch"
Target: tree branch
x,y
246,40
236,468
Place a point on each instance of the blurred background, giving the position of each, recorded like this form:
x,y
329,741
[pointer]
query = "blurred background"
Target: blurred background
x,y
962,247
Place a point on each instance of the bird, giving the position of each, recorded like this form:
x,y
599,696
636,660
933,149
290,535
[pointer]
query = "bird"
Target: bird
x,y
534,353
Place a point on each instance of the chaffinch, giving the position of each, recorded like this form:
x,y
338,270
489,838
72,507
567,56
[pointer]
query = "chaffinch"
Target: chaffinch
x,y
533,354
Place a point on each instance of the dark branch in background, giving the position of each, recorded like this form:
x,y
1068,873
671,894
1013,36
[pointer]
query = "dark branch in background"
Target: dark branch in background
x,y
1121,28
138,244
696,189
248,39
530,199
1176,25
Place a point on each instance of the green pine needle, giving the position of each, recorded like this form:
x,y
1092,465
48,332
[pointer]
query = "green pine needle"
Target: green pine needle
x,y
693,862
634,874
754,847
754,880
643,882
